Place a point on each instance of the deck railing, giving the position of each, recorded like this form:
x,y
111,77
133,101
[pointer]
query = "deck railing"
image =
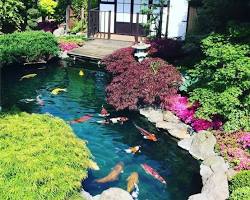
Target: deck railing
x,y
100,22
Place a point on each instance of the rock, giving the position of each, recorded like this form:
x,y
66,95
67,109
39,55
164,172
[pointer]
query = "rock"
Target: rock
x,y
202,145
216,164
63,54
216,187
231,173
86,195
153,115
198,197
205,173
59,32
170,117
179,130
115,194
185,143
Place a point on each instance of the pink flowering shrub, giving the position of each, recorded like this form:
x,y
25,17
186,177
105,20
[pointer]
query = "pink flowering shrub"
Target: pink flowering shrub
x,y
67,46
181,106
233,149
245,140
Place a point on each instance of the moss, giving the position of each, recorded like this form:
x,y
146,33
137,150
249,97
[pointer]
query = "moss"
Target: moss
x,y
40,158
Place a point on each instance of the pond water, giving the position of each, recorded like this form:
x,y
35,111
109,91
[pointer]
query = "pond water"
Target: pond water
x,y
86,95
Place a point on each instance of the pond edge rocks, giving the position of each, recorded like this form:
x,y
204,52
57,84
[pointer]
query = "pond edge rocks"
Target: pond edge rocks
x,y
109,194
213,169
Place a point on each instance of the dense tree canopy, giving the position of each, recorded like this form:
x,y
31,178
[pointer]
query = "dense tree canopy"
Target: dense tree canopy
x,y
214,15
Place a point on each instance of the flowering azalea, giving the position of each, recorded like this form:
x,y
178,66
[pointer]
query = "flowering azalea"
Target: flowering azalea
x,y
245,140
67,46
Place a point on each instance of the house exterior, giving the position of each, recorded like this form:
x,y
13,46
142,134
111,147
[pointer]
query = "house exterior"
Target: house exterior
x,y
123,17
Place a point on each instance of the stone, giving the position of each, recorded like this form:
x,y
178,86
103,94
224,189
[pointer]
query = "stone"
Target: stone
x,y
59,32
198,197
63,54
185,143
153,115
179,130
115,194
231,173
216,187
85,195
202,145
216,164
205,173
170,117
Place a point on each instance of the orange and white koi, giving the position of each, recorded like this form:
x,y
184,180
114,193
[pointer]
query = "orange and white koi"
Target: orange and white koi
x,y
133,150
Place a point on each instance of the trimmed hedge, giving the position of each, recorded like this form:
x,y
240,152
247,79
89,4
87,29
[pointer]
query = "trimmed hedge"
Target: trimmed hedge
x,y
29,46
241,179
40,158
241,194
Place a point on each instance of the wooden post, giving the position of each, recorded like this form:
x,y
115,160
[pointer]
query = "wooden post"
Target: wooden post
x,y
166,33
160,23
67,18
89,12
82,17
109,25
137,27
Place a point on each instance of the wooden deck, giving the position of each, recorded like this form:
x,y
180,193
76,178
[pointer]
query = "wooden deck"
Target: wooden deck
x,y
98,48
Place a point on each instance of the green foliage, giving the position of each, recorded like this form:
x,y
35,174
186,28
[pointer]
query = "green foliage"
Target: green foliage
x,y
11,15
240,180
78,27
32,18
47,7
154,16
241,194
27,47
72,38
223,82
214,15
40,158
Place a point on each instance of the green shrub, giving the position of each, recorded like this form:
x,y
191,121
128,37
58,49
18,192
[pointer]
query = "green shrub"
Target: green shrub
x,y
40,158
78,27
29,46
32,19
240,180
241,194
72,38
223,82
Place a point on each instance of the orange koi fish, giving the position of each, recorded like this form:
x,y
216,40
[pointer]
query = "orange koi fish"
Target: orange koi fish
x,y
146,135
113,175
149,170
81,119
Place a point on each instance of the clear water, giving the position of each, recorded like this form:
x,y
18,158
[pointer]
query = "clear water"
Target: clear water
x,y
107,142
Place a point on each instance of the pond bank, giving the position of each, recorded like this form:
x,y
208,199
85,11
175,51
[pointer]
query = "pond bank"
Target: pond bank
x,y
213,170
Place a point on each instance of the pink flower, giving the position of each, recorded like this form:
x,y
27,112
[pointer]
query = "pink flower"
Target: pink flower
x,y
201,124
245,140
67,46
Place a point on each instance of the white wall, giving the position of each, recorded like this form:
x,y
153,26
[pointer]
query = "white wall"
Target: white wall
x,y
178,18
103,17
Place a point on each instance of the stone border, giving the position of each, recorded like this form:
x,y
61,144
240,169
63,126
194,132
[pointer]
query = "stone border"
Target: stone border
x,y
213,170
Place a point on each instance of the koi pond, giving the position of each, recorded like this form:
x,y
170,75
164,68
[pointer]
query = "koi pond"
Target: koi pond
x,y
86,95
